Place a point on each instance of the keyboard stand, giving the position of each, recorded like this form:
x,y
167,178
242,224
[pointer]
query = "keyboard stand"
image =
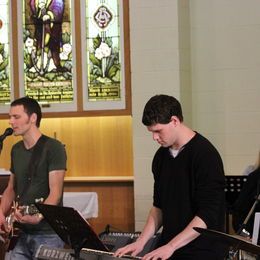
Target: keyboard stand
x,y
77,248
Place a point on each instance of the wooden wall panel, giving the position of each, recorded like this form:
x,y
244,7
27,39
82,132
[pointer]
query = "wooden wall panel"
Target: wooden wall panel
x,y
96,146
115,201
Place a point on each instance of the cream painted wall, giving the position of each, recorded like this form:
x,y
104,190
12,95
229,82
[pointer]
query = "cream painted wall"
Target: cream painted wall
x,y
225,54
155,69
207,54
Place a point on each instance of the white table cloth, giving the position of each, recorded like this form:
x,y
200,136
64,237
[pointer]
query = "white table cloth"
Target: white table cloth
x,y
84,202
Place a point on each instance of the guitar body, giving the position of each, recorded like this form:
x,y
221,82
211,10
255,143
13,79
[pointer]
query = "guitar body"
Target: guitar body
x,y
2,250
11,241
12,237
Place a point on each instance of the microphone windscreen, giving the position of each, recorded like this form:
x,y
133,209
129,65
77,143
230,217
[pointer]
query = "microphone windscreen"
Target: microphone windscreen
x,y
8,131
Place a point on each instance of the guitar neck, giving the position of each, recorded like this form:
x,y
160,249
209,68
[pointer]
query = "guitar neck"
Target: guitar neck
x,y
29,210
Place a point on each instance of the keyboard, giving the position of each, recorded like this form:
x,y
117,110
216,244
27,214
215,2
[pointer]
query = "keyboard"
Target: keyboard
x,y
45,252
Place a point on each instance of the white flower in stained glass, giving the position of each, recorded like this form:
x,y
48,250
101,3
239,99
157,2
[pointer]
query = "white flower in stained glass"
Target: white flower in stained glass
x,y
67,48
1,58
64,56
102,51
106,50
29,44
98,54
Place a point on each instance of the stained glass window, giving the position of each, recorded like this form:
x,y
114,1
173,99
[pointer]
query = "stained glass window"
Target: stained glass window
x,y
5,85
103,48
48,53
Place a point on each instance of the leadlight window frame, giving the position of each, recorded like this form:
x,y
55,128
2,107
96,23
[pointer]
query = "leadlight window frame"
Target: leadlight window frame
x,y
108,104
4,108
50,107
17,75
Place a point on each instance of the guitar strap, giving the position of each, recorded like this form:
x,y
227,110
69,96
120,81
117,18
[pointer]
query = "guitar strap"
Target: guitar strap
x,y
11,239
34,161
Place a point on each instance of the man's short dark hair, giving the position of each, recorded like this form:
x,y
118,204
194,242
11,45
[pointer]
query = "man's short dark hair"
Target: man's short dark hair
x,y
30,106
159,110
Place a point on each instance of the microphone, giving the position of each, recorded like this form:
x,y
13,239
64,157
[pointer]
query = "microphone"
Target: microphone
x,y
8,131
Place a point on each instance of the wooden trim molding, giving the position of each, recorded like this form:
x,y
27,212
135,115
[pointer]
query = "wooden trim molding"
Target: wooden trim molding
x,y
100,179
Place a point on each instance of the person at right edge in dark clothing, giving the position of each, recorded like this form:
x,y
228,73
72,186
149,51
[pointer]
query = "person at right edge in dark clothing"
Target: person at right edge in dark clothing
x,y
189,187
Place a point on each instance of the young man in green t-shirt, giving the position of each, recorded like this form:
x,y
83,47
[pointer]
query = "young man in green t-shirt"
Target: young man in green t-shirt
x,y
38,165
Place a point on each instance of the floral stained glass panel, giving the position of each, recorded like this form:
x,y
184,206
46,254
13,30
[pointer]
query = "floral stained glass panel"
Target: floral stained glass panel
x,y
5,89
47,54
103,50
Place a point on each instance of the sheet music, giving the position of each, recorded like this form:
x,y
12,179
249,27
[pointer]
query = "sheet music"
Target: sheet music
x,y
256,228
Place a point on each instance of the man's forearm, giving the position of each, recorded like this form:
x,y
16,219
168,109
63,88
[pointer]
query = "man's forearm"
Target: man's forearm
x,y
6,201
152,225
188,234
53,199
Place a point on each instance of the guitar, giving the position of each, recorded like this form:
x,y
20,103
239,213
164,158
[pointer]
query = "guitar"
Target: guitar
x,y
11,237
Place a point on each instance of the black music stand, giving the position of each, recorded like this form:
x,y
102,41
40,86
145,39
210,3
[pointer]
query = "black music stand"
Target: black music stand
x,y
234,184
71,227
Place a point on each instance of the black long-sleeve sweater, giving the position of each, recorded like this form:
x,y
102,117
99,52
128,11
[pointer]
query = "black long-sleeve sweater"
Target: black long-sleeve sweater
x,y
191,184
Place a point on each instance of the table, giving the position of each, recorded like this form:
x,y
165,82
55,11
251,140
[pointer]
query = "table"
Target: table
x,y
85,202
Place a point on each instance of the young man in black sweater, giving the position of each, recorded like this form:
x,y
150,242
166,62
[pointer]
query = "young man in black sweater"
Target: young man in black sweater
x,y
188,187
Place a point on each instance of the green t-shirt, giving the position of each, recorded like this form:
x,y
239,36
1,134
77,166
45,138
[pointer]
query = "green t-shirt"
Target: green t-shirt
x,y
52,157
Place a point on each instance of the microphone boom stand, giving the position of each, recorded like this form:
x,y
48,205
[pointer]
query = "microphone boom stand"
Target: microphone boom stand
x,y
1,146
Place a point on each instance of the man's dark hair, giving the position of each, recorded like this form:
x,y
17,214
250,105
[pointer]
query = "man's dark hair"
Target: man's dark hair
x,y
159,110
30,106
